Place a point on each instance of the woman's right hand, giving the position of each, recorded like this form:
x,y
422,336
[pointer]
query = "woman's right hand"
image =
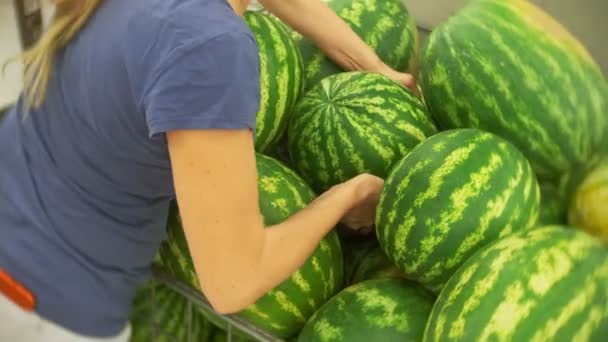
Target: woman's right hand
x,y
366,194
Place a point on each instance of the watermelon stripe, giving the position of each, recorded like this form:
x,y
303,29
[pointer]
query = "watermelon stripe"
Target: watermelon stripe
x,y
495,210
436,180
393,214
593,321
575,306
254,23
288,306
286,79
460,198
281,71
439,78
501,291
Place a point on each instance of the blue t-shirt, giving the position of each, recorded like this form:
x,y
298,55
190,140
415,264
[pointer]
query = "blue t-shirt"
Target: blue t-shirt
x,y
85,180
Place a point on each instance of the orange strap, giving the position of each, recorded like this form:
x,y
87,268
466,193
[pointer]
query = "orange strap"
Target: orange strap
x,y
16,292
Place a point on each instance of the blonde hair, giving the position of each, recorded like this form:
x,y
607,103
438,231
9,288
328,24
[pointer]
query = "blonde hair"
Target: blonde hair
x,y
69,18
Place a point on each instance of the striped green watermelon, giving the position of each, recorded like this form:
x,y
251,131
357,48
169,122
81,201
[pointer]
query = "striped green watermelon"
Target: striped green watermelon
x,y
281,77
385,25
453,194
285,309
508,68
352,123
374,310
160,314
546,284
588,208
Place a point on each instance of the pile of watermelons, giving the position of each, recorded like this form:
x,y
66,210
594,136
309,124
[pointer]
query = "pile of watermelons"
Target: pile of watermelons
x,y
493,222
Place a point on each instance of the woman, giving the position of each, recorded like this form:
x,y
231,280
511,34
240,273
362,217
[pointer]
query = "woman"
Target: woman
x,y
127,104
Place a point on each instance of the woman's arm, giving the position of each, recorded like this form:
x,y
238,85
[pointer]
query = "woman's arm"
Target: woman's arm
x,y
334,37
236,259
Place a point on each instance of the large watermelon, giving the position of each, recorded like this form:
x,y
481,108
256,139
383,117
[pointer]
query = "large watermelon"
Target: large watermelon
x,y
352,123
286,308
454,193
281,77
375,310
509,68
546,284
160,314
385,25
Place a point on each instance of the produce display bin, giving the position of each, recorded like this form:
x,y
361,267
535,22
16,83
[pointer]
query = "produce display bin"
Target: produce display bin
x,y
196,299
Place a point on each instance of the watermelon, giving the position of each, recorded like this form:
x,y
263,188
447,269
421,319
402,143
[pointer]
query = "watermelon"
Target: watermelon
x,y
552,205
161,314
374,310
385,25
375,265
281,75
365,260
588,209
285,309
509,68
454,193
352,123
545,284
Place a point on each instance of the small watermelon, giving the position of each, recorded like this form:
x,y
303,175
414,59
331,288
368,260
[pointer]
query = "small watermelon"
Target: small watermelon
x,y
374,310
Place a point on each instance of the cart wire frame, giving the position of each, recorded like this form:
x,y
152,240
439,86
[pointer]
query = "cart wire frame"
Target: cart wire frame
x,y
196,298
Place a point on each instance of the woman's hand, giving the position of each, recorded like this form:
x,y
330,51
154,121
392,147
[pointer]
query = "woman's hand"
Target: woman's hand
x,y
362,193
367,194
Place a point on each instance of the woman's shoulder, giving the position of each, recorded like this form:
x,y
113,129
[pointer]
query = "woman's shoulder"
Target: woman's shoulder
x,y
198,20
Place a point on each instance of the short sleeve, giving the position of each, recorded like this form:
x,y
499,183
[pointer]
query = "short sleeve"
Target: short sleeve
x,y
210,85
